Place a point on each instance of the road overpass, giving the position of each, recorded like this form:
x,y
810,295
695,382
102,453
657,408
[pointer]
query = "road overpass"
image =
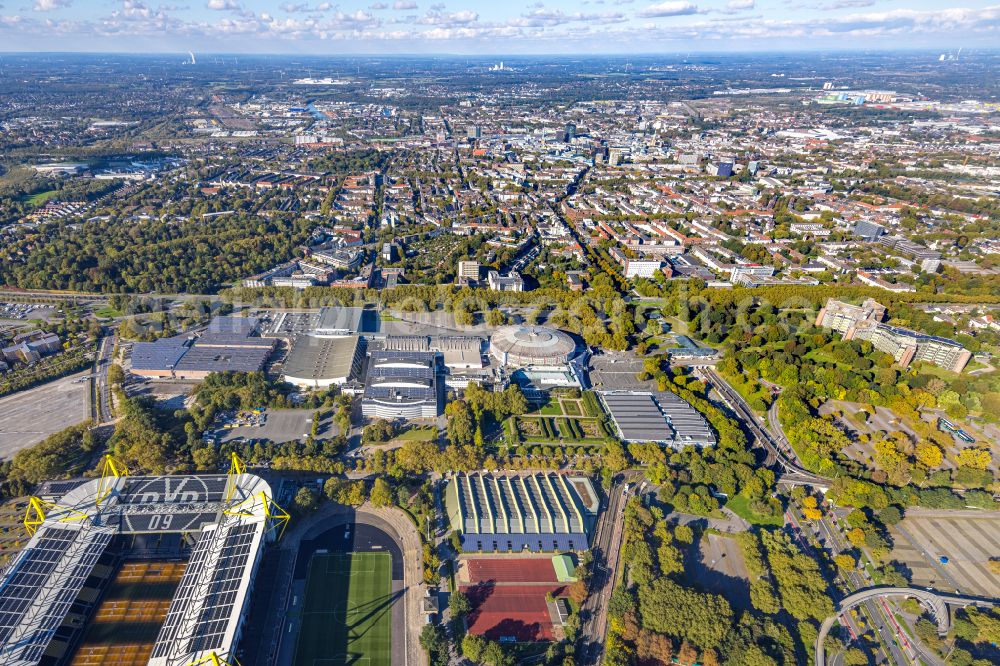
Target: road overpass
x,y
936,603
774,445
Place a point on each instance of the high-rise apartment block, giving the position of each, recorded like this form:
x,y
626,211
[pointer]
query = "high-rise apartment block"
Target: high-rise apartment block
x,y
864,322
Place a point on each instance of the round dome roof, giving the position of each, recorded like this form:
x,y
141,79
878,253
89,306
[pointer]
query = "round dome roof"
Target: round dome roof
x,y
531,344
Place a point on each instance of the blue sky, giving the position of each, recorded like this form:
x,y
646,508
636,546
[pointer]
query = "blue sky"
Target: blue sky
x,y
508,27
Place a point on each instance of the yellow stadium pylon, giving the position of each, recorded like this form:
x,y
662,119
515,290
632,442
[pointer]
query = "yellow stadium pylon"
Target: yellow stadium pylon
x,y
111,471
39,509
236,469
274,513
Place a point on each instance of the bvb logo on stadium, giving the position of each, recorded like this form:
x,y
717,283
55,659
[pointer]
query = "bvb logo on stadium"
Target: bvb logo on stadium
x,y
167,490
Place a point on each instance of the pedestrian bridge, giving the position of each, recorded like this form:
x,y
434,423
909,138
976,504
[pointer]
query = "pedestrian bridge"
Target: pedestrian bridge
x,y
934,602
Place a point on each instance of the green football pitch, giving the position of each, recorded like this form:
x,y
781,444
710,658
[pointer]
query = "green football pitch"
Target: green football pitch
x,y
346,617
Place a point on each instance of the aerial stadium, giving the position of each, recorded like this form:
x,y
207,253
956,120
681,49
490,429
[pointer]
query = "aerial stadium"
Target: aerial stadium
x,y
116,557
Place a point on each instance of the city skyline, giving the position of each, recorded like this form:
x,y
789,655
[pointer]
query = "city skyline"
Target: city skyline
x,y
555,27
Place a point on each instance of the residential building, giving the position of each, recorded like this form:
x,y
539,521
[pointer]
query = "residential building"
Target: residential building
x,y
864,322
641,268
511,282
468,271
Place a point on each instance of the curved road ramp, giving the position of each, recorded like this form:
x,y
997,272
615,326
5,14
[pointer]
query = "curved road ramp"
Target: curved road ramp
x,y
936,603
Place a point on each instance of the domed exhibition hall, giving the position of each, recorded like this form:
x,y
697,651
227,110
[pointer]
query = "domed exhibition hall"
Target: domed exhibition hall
x,y
521,346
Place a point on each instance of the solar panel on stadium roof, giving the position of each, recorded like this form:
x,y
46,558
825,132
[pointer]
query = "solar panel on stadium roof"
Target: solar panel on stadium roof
x,y
37,591
216,597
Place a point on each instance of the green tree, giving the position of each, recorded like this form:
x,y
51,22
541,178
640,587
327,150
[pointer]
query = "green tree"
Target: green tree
x,y
459,604
381,494
668,608
305,500
473,648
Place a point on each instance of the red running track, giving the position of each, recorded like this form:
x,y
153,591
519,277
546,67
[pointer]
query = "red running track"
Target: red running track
x,y
521,570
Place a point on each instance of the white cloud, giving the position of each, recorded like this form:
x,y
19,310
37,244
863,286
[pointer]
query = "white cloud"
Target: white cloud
x,y
553,17
740,5
302,8
50,5
403,5
134,22
669,8
463,17
848,4
379,5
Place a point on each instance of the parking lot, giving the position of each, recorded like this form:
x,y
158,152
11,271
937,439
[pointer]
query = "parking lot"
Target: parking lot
x,y
718,566
28,417
288,324
968,539
611,371
25,311
282,425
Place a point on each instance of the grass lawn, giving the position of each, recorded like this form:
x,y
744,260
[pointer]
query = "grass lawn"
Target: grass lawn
x,y
346,618
741,507
928,369
418,435
551,408
40,198
107,312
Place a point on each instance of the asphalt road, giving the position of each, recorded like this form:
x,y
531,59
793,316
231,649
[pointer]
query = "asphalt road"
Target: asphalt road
x,y
102,411
893,639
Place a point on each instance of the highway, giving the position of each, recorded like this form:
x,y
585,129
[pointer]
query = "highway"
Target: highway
x,y
605,549
846,618
855,581
937,602
101,410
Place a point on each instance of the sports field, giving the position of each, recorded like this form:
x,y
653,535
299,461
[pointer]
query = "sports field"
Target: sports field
x,y
346,617
125,625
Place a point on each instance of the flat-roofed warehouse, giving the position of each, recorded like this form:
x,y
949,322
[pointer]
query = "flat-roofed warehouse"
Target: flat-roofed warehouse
x,y
336,321
518,512
321,362
229,344
663,418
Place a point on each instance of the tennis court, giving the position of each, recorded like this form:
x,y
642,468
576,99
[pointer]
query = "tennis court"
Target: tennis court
x,y
346,616
511,570
504,612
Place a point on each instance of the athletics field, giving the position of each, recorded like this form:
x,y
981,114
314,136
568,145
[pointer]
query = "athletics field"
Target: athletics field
x,y
346,616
